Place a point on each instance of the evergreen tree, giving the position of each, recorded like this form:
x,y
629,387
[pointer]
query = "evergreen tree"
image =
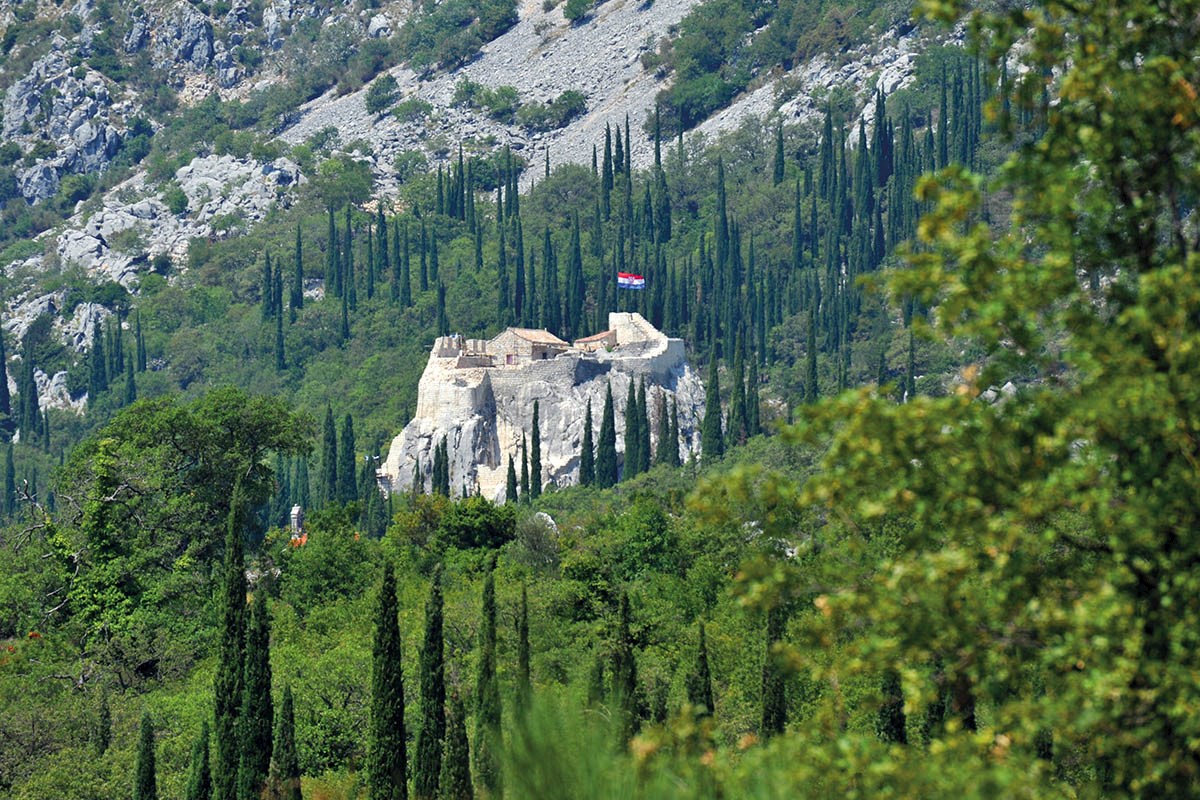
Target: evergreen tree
x,y
333,264
139,341
777,172
280,361
267,290
774,701
98,374
606,450
699,680
587,450
284,779
199,785
665,444
386,749
10,483
811,388
257,714
130,386
633,435
891,725
228,685
510,486
5,398
524,692
712,441
145,784
625,680
329,460
456,764
346,473
535,454
524,471
643,416
102,734
296,298
673,452
753,409
428,766
487,691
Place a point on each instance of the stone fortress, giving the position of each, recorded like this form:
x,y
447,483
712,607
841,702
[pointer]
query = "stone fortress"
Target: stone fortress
x,y
479,395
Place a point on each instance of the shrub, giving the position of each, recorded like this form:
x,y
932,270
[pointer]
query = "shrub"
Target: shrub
x,y
414,109
174,199
381,94
575,10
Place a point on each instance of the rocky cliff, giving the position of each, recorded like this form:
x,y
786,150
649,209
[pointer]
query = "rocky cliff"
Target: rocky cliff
x,y
480,396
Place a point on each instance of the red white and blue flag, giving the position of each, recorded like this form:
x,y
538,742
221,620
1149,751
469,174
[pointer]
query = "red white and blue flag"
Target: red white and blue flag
x,y
627,280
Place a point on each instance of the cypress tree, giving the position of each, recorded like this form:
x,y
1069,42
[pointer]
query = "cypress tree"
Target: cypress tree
x,y
10,483
777,172
587,450
405,289
535,455
102,734
296,298
280,362
753,409
524,677
633,435
510,488
774,702
349,279
267,291
329,460
98,375
433,697
643,416
596,694
257,714
228,685
663,454
712,441
606,451
139,341
891,724
145,784
285,762
387,756
130,386
333,266
487,691
524,471
456,763
699,680
811,388
199,785
346,474
673,452
737,427
625,674
5,397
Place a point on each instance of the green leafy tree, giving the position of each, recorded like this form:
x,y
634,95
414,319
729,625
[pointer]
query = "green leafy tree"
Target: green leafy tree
x,y
145,783
387,758
428,767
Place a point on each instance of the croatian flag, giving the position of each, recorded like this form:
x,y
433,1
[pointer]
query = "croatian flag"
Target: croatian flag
x,y
627,280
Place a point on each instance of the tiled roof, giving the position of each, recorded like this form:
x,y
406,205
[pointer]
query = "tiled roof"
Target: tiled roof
x,y
596,337
538,336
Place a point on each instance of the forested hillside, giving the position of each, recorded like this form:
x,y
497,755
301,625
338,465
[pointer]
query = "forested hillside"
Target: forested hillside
x,y
881,573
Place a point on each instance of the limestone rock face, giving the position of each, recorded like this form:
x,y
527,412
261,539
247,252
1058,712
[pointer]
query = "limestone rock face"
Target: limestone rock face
x,y
479,396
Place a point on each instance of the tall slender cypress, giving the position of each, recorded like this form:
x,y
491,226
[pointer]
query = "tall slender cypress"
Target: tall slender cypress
x,y
643,416
699,680
625,674
891,724
712,442
346,473
285,761
524,471
606,450
428,766
139,342
257,714
199,785
145,783
487,691
296,296
510,486
587,450
456,763
228,685
633,435
524,677
665,443
774,702
535,454
387,756
329,460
